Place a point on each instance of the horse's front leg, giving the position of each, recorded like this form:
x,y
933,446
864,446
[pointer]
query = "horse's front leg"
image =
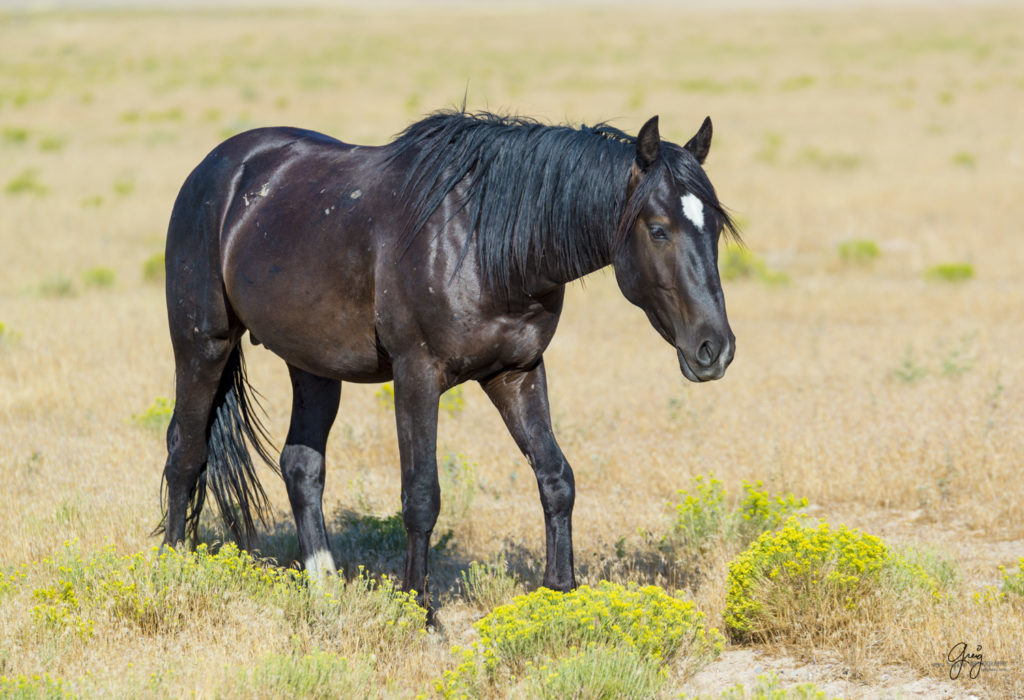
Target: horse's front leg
x,y
417,392
522,399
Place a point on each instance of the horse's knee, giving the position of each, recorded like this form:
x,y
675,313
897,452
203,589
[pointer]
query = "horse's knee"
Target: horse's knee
x,y
557,485
421,505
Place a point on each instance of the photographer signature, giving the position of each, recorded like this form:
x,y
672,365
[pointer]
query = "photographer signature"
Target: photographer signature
x,y
959,656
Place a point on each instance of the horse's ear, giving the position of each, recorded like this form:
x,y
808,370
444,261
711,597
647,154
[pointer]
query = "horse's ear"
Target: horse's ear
x,y
648,143
700,144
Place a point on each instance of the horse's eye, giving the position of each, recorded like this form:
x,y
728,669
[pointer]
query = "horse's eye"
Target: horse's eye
x,y
658,233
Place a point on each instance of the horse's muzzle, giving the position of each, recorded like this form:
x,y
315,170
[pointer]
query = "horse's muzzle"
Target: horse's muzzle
x,y
708,363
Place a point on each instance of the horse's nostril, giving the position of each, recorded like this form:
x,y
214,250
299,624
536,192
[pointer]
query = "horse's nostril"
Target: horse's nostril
x,y
706,353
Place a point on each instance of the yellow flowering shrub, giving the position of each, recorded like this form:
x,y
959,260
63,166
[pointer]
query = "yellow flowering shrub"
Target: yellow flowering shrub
x,y
32,687
1013,582
800,579
548,629
703,515
162,590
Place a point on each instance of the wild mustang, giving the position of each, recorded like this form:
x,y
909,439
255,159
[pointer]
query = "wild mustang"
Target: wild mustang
x,y
439,258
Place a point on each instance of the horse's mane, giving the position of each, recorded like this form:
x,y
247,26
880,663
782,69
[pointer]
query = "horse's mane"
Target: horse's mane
x,y
531,189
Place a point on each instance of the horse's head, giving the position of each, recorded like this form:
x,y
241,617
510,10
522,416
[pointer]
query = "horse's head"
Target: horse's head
x,y
666,260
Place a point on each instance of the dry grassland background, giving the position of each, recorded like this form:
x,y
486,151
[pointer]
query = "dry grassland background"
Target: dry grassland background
x,y
891,400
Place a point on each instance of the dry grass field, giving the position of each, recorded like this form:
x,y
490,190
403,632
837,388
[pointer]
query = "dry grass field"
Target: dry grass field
x,y
858,148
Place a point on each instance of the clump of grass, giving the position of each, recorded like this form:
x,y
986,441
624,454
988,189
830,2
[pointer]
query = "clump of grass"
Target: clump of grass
x,y
99,277
525,643
93,201
737,262
490,583
56,286
124,185
964,159
157,417
859,251
51,144
14,134
153,268
26,182
457,477
802,582
814,156
766,687
319,674
950,272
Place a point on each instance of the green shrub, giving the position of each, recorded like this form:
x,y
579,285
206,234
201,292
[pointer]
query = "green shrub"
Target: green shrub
x,y
99,277
153,268
766,687
51,144
804,581
157,417
490,583
318,674
595,672
737,262
26,182
859,251
14,134
574,631
124,185
950,272
57,286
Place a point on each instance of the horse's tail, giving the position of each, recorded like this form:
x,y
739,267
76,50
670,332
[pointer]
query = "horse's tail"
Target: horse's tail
x,y
229,471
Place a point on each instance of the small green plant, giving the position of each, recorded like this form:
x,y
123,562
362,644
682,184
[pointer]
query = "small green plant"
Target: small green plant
x,y
157,417
26,182
909,370
99,277
859,251
770,148
457,477
57,286
14,134
737,262
318,674
51,144
596,671
766,687
950,272
490,583
529,637
964,159
93,201
803,581
153,268
124,185
815,157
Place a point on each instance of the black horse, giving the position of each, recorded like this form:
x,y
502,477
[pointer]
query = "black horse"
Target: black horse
x,y
439,258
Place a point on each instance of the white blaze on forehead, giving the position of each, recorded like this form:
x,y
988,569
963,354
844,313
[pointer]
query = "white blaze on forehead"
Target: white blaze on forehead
x,y
693,209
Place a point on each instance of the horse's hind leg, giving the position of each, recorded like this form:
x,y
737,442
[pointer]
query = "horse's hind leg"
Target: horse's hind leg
x,y
200,362
314,407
